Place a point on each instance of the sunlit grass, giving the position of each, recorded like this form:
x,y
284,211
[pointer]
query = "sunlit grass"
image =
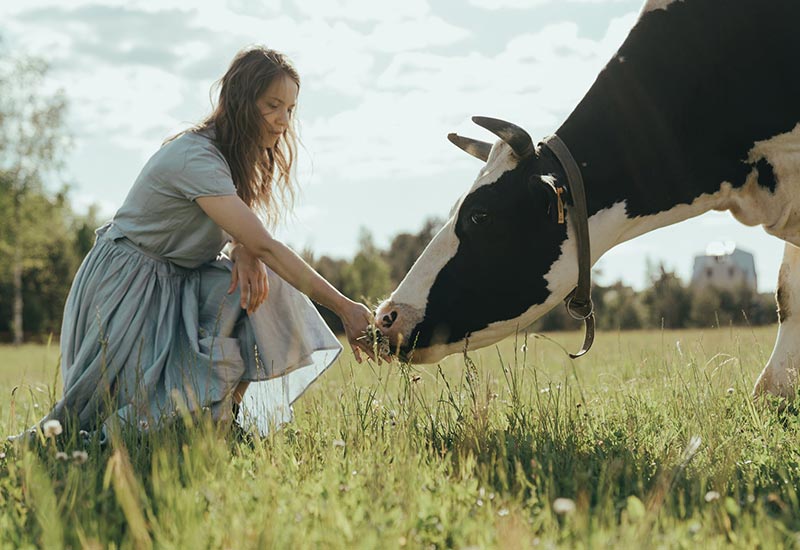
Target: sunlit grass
x,y
650,440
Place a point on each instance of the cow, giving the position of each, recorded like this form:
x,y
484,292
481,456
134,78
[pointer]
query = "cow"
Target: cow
x,y
698,110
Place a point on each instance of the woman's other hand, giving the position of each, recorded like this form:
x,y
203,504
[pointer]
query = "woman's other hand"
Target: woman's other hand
x,y
250,274
356,319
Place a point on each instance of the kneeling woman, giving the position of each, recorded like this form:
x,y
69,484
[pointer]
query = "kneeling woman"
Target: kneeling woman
x,y
154,321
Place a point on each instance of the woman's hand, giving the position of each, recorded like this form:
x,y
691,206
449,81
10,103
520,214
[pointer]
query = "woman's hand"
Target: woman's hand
x,y
250,274
356,318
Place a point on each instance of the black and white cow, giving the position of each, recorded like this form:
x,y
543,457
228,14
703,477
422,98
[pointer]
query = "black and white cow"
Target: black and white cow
x,y
699,110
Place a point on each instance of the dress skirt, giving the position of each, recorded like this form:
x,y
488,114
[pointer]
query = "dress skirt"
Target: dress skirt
x,y
143,338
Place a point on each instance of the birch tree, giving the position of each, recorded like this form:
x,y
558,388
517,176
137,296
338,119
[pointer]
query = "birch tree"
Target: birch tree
x,y
33,141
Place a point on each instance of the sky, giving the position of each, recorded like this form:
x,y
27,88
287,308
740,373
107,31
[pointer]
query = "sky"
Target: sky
x,y
382,84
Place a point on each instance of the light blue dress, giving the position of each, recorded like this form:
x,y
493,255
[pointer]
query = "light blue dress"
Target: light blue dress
x,y
148,324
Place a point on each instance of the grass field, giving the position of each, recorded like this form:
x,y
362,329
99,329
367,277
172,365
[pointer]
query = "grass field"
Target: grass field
x,y
650,441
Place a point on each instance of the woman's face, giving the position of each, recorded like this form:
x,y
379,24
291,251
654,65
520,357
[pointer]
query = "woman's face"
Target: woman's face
x,y
276,105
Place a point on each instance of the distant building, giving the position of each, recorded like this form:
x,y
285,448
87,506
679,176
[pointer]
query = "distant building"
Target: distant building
x,y
724,266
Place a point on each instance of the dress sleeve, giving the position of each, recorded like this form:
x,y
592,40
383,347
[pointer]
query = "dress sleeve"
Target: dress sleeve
x,y
205,173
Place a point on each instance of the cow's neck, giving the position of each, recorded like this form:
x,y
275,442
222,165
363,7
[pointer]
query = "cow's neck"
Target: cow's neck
x,y
664,133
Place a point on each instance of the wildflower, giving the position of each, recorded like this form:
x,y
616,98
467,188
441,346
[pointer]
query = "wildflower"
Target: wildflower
x,y
62,456
711,496
338,443
2,456
80,457
730,391
562,506
52,428
502,512
83,433
544,390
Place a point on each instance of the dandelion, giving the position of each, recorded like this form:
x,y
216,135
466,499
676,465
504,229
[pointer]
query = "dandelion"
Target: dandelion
x,y
502,512
562,506
62,456
711,496
83,433
52,428
544,390
730,391
2,456
338,443
80,457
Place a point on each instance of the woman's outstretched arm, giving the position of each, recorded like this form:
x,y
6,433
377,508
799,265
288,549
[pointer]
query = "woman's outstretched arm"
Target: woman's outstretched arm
x,y
233,215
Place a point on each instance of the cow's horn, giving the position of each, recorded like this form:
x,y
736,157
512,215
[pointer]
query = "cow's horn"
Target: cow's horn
x,y
478,149
519,140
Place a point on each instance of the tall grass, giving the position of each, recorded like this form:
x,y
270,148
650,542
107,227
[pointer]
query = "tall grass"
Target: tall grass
x,y
651,440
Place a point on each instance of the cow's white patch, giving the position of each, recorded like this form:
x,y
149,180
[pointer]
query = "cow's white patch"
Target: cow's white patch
x,y
416,285
652,5
501,160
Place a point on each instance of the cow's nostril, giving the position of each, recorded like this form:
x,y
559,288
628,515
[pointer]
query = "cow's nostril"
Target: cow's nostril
x,y
394,316
388,320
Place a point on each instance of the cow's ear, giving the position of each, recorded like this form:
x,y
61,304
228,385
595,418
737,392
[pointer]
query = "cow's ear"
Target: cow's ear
x,y
478,149
547,189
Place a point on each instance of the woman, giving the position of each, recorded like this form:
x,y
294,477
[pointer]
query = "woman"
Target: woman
x,y
154,321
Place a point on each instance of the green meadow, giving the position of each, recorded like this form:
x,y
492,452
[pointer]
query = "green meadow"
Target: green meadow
x,y
650,441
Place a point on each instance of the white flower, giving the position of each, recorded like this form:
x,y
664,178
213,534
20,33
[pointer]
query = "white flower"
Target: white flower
x,y
338,443
711,496
730,391
52,428
563,506
62,456
80,456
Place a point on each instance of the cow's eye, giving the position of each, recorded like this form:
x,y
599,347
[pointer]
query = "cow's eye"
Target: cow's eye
x,y
479,217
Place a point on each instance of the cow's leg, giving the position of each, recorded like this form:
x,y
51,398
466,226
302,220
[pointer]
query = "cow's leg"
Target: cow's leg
x,y
780,374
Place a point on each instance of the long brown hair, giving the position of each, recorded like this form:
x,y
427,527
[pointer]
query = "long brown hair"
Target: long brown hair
x,y
263,177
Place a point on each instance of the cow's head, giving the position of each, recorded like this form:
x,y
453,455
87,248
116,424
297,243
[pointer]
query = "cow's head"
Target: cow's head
x,y
494,267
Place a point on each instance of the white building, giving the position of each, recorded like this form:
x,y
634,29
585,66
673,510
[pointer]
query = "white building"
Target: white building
x,y
724,266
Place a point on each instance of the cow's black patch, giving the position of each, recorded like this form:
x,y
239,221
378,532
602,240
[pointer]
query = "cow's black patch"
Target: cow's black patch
x,y
766,176
670,118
